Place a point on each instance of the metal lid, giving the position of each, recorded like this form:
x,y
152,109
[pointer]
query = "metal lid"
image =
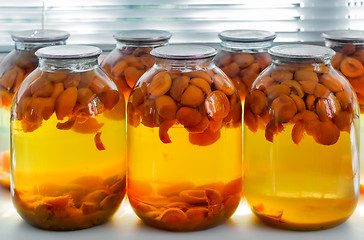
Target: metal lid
x,y
142,35
68,52
184,52
344,35
301,52
243,35
38,35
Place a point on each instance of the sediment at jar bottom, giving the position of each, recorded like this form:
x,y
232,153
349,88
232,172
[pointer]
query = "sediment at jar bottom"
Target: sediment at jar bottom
x,y
202,101
298,214
82,203
242,68
126,66
185,206
312,98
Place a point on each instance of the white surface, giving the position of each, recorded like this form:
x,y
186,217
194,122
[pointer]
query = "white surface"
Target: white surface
x,y
125,225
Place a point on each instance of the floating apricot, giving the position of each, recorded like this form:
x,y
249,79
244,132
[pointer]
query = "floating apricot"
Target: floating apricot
x,y
250,120
201,83
359,55
351,67
249,77
43,106
272,129
281,76
215,125
160,84
295,87
327,133
200,127
163,130
97,139
200,74
192,96
344,97
86,125
337,59
149,113
321,91
275,91
225,59
309,87
297,132
166,107
179,85
331,83
243,59
231,70
41,88
343,120
72,80
299,102
57,75
283,108
348,49
188,117
109,98
224,84
8,79
217,105
132,75
358,84
257,101
304,75
84,96
66,102
205,138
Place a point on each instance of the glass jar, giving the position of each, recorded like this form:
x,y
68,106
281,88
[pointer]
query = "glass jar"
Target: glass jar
x,y
13,70
184,141
301,143
349,60
243,55
68,141
131,58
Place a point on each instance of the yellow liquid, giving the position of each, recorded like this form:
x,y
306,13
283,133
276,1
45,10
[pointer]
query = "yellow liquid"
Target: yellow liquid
x,y
159,172
4,146
52,163
306,186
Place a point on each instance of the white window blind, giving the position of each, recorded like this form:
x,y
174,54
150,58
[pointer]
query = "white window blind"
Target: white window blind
x,y
95,21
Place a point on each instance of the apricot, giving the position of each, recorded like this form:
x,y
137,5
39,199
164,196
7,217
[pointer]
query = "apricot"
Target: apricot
x,y
283,108
304,75
110,202
163,130
215,125
249,77
344,97
57,75
41,88
231,70
217,105
97,139
359,55
174,189
138,96
65,125
225,59
257,102
243,59
358,84
179,85
86,125
272,129
201,127
95,196
224,84
348,49
43,107
5,161
321,91
310,100
201,83
97,85
250,120
309,87
133,115
214,201
8,79
188,117
298,132
329,81
351,67
147,61
84,96
160,84
197,214
275,91
200,74
343,120
232,188
58,88
231,204
173,217
194,197
281,76
327,133
299,102
306,116
192,96
109,98
295,87
205,138
5,98
72,80
65,102
89,208
132,75
337,59
149,113
263,59
166,107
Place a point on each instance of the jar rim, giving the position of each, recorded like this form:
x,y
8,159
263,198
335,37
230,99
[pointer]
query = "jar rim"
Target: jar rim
x,y
184,52
72,51
39,35
344,35
301,52
142,35
247,35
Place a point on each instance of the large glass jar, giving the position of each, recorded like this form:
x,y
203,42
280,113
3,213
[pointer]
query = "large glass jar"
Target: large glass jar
x,y
131,58
184,141
68,141
349,60
301,168
13,69
243,55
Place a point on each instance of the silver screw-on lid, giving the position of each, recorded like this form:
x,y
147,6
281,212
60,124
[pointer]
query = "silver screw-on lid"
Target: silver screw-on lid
x,y
38,35
142,35
183,52
68,52
301,52
245,35
344,35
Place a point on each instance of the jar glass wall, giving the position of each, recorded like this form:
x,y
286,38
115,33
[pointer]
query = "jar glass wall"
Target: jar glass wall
x,y
349,60
301,141
184,141
131,58
68,141
243,55
14,68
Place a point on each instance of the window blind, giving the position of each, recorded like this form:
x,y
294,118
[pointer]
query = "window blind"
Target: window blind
x,y
95,21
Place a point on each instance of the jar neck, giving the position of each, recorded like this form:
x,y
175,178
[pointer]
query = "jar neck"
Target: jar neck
x,y
300,62
121,45
33,46
334,43
246,46
76,65
184,65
